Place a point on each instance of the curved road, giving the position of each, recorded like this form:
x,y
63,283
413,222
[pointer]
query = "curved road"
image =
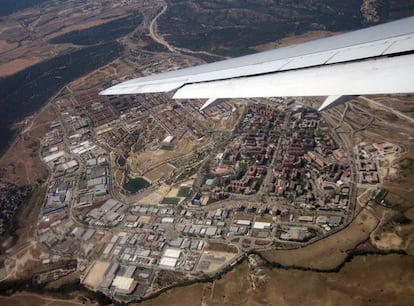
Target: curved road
x,y
159,39
387,108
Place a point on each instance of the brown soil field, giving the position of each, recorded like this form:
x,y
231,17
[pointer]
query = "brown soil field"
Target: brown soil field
x,y
6,46
147,159
159,172
26,33
81,26
156,196
221,247
396,236
21,163
330,252
292,40
189,295
28,54
31,299
17,65
366,280
213,265
96,273
95,79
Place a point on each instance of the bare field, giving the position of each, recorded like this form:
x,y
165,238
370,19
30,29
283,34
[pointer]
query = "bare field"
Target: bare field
x,y
220,259
366,280
6,46
156,196
96,273
28,55
17,65
31,299
159,172
396,236
221,247
292,40
26,34
21,163
95,79
403,104
80,26
189,295
330,252
41,122
148,159
400,186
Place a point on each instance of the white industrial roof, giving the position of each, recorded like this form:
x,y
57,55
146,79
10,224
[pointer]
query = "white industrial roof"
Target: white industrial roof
x,y
70,164
243,222
168,139
168,262
173,253
53,156
167,220
261,225
122,283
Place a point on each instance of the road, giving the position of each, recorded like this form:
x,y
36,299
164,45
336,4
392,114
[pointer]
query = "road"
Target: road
x,y
348,143
387,108
153,30
154,33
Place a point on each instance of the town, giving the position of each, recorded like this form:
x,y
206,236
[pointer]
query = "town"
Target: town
x,y
251,176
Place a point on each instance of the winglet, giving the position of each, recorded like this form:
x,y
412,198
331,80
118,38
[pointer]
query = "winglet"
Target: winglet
x,y
332,101
208,103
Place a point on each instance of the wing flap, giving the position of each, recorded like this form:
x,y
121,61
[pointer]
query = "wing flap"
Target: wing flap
x,y
404,44
385,75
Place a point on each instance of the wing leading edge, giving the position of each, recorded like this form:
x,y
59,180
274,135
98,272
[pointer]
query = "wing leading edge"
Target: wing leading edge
x,y
375,60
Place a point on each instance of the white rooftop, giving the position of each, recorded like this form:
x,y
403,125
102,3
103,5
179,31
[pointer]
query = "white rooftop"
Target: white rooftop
x,y
261,225
173,253
122,283
168,262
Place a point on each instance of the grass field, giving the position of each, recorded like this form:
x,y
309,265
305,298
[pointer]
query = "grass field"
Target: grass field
x,y
171,201
184,192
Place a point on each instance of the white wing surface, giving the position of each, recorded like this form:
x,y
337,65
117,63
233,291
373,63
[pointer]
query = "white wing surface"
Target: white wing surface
x,y
375,60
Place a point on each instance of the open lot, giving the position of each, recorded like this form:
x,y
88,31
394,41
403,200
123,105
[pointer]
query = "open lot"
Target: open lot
x,y
96,273
21,163
26,33
31,299
330,252
147,159
211,261
162,171
357,283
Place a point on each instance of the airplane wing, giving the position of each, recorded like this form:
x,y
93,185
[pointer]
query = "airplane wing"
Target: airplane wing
x,y
375,60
